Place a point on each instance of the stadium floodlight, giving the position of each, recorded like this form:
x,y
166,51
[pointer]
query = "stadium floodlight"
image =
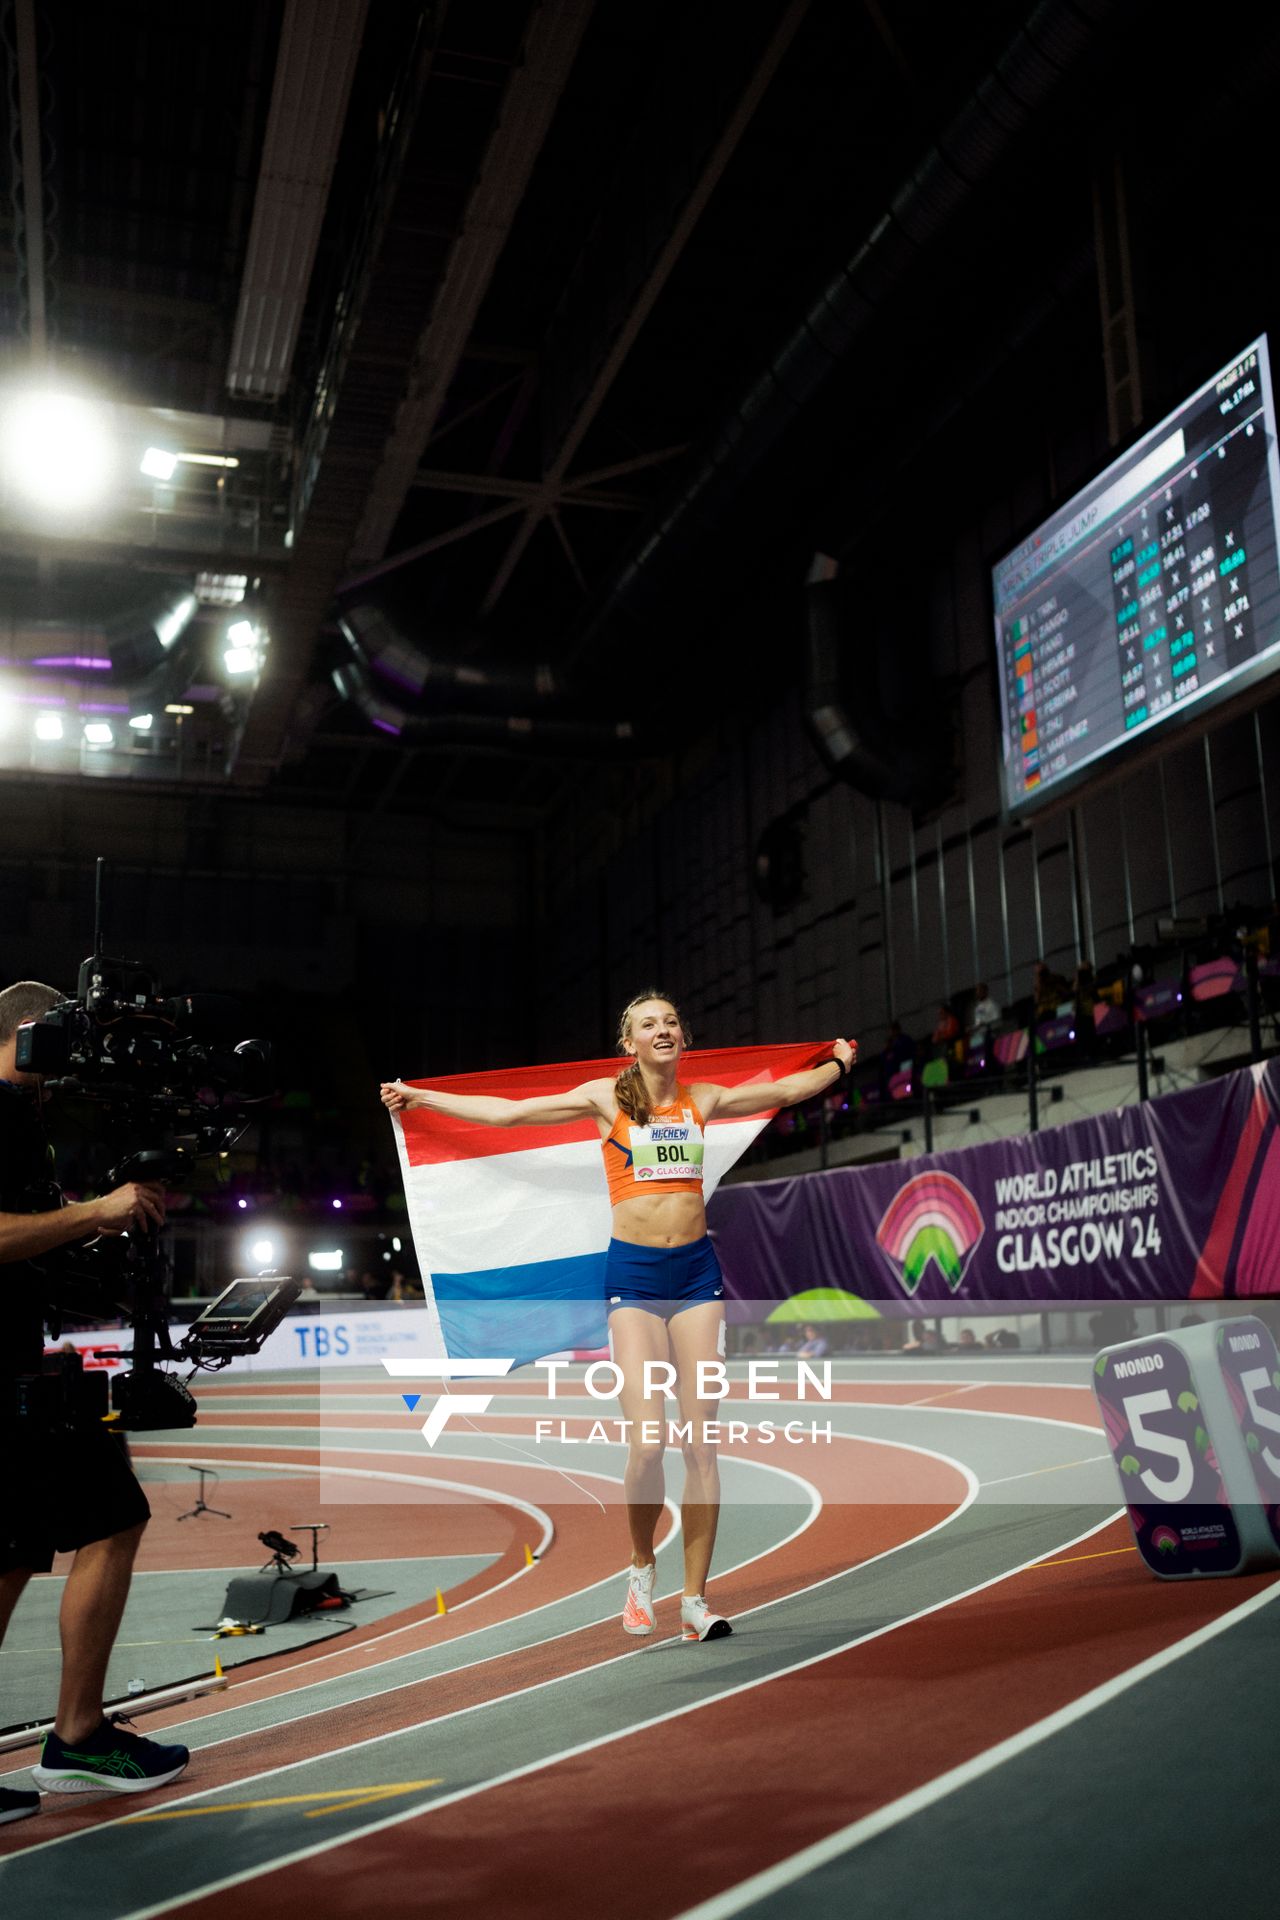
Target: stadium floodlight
x,y
263,1251
97,733
327,1260
171,625
48,726
159,464
242,654
56,451
142,722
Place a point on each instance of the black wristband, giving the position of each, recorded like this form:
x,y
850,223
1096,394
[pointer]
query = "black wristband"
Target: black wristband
x,y
836,1061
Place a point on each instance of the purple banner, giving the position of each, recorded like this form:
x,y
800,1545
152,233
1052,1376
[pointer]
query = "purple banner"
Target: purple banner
x,y
1176,1199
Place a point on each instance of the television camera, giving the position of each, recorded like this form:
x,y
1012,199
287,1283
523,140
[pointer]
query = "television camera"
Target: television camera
x,y
172,1087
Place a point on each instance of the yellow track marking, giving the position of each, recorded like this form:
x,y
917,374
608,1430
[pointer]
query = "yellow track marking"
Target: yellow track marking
x,y
341,1799
1081,1556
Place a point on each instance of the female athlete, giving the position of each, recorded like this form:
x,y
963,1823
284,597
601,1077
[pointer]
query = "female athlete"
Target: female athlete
x,y
662,1278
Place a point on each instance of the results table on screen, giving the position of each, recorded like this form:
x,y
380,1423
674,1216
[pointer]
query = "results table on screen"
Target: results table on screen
x,y
1150,590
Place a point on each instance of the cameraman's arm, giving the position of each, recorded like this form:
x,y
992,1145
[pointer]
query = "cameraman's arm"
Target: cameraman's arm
x,y
25,1236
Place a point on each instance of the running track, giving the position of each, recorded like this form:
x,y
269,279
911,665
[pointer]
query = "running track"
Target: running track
x,y
892,1657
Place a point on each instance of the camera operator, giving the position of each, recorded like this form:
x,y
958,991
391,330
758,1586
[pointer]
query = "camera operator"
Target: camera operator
x,y
70,1490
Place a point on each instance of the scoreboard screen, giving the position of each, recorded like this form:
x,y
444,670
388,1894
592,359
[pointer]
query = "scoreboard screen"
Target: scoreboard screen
x,y
1152,595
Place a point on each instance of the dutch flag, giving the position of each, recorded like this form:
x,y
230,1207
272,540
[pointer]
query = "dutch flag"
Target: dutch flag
x,y
511,1224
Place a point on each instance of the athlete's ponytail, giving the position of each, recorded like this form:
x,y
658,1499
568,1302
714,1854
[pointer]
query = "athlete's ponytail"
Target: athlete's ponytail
x,y
629,1089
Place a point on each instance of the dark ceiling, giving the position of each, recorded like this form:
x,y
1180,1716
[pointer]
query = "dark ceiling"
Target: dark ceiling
x,y
564,409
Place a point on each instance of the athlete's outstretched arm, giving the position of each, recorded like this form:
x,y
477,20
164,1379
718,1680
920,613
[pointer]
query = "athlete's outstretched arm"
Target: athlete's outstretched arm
x,y
757,1096
490,1110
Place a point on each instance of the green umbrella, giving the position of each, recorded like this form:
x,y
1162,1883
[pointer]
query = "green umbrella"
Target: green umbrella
x,y
823,1303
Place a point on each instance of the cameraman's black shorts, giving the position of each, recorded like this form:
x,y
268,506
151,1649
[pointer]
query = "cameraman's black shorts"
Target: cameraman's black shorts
x,y
61,1491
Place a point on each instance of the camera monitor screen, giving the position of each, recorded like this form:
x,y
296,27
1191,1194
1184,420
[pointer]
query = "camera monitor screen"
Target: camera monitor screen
x,y
1150,596
240,1319
241,1301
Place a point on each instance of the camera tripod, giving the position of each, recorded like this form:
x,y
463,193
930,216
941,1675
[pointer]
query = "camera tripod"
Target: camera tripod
x,y
202,1505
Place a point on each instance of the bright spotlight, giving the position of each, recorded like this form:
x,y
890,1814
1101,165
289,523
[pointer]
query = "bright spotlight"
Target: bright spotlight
x,y
242,633
240,660
48,726
263,1251
142,722
56,451
173,623
328,1260
97,733
158,464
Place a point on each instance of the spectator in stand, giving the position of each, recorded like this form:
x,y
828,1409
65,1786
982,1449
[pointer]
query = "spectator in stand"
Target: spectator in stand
x,y
966,1337
946,1031
813,1346
1084,992
375,1286
986,1014
1050,991
404,1286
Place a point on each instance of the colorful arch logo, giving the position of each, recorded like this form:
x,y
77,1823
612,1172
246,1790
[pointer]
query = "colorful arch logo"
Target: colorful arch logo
x,y
933,1217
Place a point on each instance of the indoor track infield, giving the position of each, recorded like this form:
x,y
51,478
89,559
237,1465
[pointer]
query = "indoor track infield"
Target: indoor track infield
x,y
952,1689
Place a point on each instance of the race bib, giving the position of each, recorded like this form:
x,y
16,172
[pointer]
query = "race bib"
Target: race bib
x,y
667,1150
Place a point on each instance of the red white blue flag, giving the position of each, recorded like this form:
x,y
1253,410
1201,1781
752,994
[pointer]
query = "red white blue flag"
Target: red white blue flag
x,y
511,1224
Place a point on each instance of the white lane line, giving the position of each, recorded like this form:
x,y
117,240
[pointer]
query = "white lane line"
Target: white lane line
x,y
465,1487
1033,1473
567,1753
936,1399
786,1872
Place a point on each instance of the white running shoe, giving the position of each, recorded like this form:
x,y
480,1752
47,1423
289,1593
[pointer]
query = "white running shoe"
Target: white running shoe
x,y
638,1614
697,1622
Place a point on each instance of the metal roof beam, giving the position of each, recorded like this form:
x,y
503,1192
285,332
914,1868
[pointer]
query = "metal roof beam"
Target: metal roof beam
x,y
319,45
646,298
532,95
24,23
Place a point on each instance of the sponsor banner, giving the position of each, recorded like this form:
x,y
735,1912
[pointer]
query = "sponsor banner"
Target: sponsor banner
x,y
1175,1199
304,1340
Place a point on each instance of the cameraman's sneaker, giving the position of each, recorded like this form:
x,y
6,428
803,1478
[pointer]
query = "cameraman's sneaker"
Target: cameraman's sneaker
x,y
109,1760
637,1612
697,1622
15,1805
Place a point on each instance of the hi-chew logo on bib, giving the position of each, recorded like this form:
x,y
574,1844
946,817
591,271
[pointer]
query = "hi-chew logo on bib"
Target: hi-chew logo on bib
x,y
667,1149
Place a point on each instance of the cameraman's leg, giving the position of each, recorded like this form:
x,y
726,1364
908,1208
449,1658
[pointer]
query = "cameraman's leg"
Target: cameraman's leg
x,y
92,1604
97,1511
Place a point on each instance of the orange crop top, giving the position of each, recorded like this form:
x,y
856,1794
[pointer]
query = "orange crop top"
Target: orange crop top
x,y
664,1157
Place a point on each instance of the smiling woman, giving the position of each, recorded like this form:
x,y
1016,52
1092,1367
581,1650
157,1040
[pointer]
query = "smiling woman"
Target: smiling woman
x,y
662,1279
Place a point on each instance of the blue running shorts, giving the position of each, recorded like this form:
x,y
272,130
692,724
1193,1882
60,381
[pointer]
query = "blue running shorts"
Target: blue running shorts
x,y
662,1280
